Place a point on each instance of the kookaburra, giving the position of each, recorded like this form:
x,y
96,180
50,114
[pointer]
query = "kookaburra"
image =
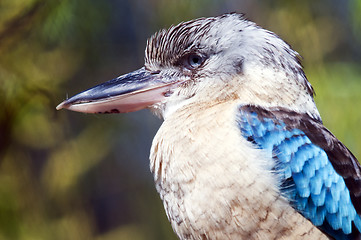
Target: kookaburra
x,y
242,152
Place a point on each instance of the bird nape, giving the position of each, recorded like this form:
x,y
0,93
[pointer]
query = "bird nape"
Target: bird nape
x,y
242,152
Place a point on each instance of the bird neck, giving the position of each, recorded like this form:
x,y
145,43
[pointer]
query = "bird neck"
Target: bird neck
x,y
267,87
261,87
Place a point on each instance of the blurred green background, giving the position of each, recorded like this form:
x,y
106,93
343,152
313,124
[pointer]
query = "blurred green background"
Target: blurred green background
x,y
66,175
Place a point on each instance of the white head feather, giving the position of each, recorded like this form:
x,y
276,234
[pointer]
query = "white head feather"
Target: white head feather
x,y
236,59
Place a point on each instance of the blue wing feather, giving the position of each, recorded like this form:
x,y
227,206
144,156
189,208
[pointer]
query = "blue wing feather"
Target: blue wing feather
x,y
312,184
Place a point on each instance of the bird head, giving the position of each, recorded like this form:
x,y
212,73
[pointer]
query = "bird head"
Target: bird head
x,y
204,61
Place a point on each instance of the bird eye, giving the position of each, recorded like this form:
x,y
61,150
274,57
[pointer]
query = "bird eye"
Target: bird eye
x,y
194,60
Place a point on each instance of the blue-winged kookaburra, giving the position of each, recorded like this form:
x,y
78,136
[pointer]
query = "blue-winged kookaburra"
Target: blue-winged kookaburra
x,y
242,152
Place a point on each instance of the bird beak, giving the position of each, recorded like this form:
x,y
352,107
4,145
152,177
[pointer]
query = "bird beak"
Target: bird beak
x,y
127,93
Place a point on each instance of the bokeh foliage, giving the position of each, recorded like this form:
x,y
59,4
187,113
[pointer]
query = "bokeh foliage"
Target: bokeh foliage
x,y
67,175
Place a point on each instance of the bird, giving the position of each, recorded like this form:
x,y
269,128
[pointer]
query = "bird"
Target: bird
x,y
242,152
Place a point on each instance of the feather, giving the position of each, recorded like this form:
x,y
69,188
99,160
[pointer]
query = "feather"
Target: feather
x,y
322,175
